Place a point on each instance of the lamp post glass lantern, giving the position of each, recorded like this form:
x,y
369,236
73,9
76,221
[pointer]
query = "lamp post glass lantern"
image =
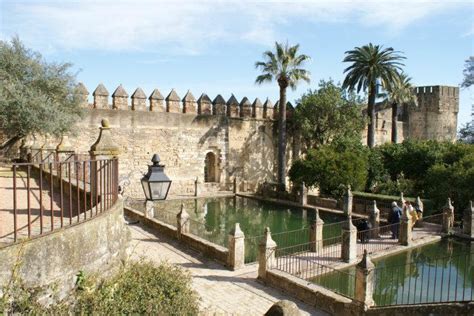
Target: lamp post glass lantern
x,y
156,183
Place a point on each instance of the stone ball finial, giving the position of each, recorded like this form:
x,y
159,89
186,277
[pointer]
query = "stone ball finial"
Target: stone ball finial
x,y
105,123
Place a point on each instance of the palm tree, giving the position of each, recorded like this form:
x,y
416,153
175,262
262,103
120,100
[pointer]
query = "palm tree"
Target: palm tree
x,y
401,91
369,64
283,66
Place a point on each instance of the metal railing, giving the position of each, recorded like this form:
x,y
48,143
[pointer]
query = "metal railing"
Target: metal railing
x,y
441,280
42,197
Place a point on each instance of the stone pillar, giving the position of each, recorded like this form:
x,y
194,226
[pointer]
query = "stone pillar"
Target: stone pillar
x,y
365,281
303,194
103,148
172,102
182,220
448,217
64,149
266,254
219,106
468,221
156,101
232,107
82,94
204,105
236,245
236,186
245,108
316,234
149,209
374,220
349,241
138,100
348,197
257,109
120,99
268,110
196,187
405,235
101,97
189,103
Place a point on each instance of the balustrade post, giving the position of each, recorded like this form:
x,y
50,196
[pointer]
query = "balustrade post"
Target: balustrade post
x,y
448,217
182,220
374,220
303,194
405,233
365,281
349,240
236,245
468,221
316,234
266,254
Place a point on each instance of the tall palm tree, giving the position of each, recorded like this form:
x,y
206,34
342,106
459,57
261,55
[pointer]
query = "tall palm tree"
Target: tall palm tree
x,y
283,66
369,64
401,91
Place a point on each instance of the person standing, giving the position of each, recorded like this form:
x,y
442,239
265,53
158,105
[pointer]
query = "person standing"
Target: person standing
x,y
394,219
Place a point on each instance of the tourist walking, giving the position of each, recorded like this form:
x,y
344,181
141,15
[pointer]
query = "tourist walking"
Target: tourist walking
x,y
394,219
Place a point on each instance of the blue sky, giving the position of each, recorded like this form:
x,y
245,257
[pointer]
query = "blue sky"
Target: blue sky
x,y
211,46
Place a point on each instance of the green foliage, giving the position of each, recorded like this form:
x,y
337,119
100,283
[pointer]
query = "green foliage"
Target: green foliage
x,y
139,288
466,133
35,96
328,114
332,167
468,73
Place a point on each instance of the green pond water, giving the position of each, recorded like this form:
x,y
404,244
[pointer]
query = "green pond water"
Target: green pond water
x,y
213,219
438,272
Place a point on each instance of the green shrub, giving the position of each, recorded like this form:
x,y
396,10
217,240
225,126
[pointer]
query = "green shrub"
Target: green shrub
x,y
331,168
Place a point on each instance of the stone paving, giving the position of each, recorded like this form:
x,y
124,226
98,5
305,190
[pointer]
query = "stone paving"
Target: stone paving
x,y
222,292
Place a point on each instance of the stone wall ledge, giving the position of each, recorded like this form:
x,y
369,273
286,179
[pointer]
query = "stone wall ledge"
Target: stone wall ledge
x,y
205,247
451,309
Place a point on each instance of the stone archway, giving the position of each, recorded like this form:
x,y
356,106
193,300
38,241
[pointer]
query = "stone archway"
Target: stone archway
x,y
211,170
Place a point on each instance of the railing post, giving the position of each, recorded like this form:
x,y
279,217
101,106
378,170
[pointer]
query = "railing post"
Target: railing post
x,y
236,245
374,220
303,194
405,233
196,187
364,281
468,221
236,188
266,254
316,234
349,241
149,209
448,217
182,220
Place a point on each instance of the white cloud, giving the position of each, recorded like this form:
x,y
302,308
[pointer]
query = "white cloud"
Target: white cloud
x,y
189,27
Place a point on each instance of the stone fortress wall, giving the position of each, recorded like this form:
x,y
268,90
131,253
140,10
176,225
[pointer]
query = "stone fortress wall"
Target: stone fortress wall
x,y
217,140
213,140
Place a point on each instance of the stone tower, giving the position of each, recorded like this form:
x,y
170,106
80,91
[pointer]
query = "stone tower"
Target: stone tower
x,y
436,114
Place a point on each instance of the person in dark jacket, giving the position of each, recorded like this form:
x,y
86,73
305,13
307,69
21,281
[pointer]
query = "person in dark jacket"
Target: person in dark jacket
x,y
394,219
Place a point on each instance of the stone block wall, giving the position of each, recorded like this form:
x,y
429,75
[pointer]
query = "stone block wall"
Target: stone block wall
x,y
183,131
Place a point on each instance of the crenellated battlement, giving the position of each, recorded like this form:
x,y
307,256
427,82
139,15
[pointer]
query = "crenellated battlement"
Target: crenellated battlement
x,y
173,103
438,90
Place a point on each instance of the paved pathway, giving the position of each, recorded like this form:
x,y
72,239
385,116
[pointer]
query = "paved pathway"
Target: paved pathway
x,y
222,292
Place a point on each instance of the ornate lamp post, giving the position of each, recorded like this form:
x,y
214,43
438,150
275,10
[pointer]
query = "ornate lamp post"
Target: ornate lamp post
x,y
156,183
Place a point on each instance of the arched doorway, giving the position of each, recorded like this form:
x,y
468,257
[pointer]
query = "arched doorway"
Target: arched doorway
x,y
210,168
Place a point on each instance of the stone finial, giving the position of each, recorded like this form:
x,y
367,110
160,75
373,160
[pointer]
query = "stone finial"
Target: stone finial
x,y
64,145
374,219
316,233
268,109
172,102
138,100
266,253
104,147
448,217
232,107
120,99
419,203
236,232
219,105
236,246
366,263
283,308
82,94
245,108
348,197
257,109
182,219
101,96
189,103
204,105
156,101
402,199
